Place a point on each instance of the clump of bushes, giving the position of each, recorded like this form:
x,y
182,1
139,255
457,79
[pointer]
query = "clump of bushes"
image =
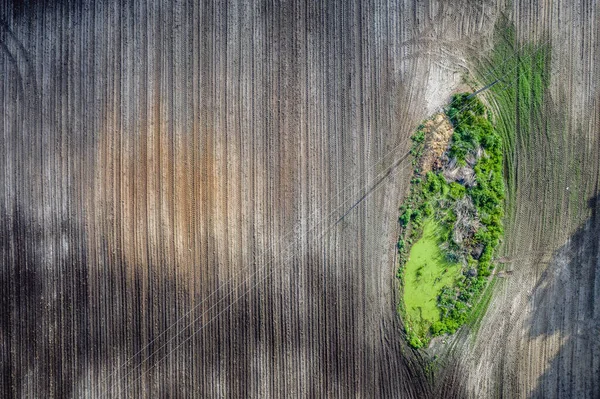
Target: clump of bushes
x,y
474,132
474,138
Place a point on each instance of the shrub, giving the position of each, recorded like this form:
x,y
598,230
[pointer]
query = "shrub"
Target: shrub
x,y
414,341
457,191
419,136
432,182
427,209
438,328
401,245
405,217
417,216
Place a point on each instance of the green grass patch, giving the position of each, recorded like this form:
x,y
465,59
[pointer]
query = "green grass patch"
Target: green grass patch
x,y
426,272
518,99
481,306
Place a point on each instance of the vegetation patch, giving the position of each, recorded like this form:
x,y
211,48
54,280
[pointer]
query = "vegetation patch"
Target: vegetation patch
x,y
519,100
451,222
429,272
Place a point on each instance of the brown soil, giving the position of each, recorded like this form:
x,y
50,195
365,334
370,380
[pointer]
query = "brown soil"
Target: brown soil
x,y
438,132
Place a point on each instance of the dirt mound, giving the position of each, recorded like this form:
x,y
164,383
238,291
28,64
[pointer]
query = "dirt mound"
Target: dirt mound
x,y
438,132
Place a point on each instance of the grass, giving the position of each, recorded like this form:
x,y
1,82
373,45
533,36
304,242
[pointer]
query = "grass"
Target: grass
x,y
519,100
480,308
426,273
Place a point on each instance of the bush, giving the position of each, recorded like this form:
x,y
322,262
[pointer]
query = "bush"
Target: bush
x,y
435,183
438,328
401,245
419,136
427,209
451,326
405,217
457,191
414,341
417,216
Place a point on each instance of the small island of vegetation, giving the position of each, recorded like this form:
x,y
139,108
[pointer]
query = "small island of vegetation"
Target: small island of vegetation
x,y
451,221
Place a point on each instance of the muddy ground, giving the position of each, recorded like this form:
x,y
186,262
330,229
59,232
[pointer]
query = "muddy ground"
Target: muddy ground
x,y
200,199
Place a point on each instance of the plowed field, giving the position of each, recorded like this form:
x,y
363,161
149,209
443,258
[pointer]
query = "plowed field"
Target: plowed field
x,y
200,199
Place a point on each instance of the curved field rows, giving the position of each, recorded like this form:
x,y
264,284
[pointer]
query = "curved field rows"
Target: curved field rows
x,y
199,199
539,336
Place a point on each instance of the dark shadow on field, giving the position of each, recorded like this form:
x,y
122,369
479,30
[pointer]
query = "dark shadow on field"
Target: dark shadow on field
x,y
566,302
44,324
240,335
